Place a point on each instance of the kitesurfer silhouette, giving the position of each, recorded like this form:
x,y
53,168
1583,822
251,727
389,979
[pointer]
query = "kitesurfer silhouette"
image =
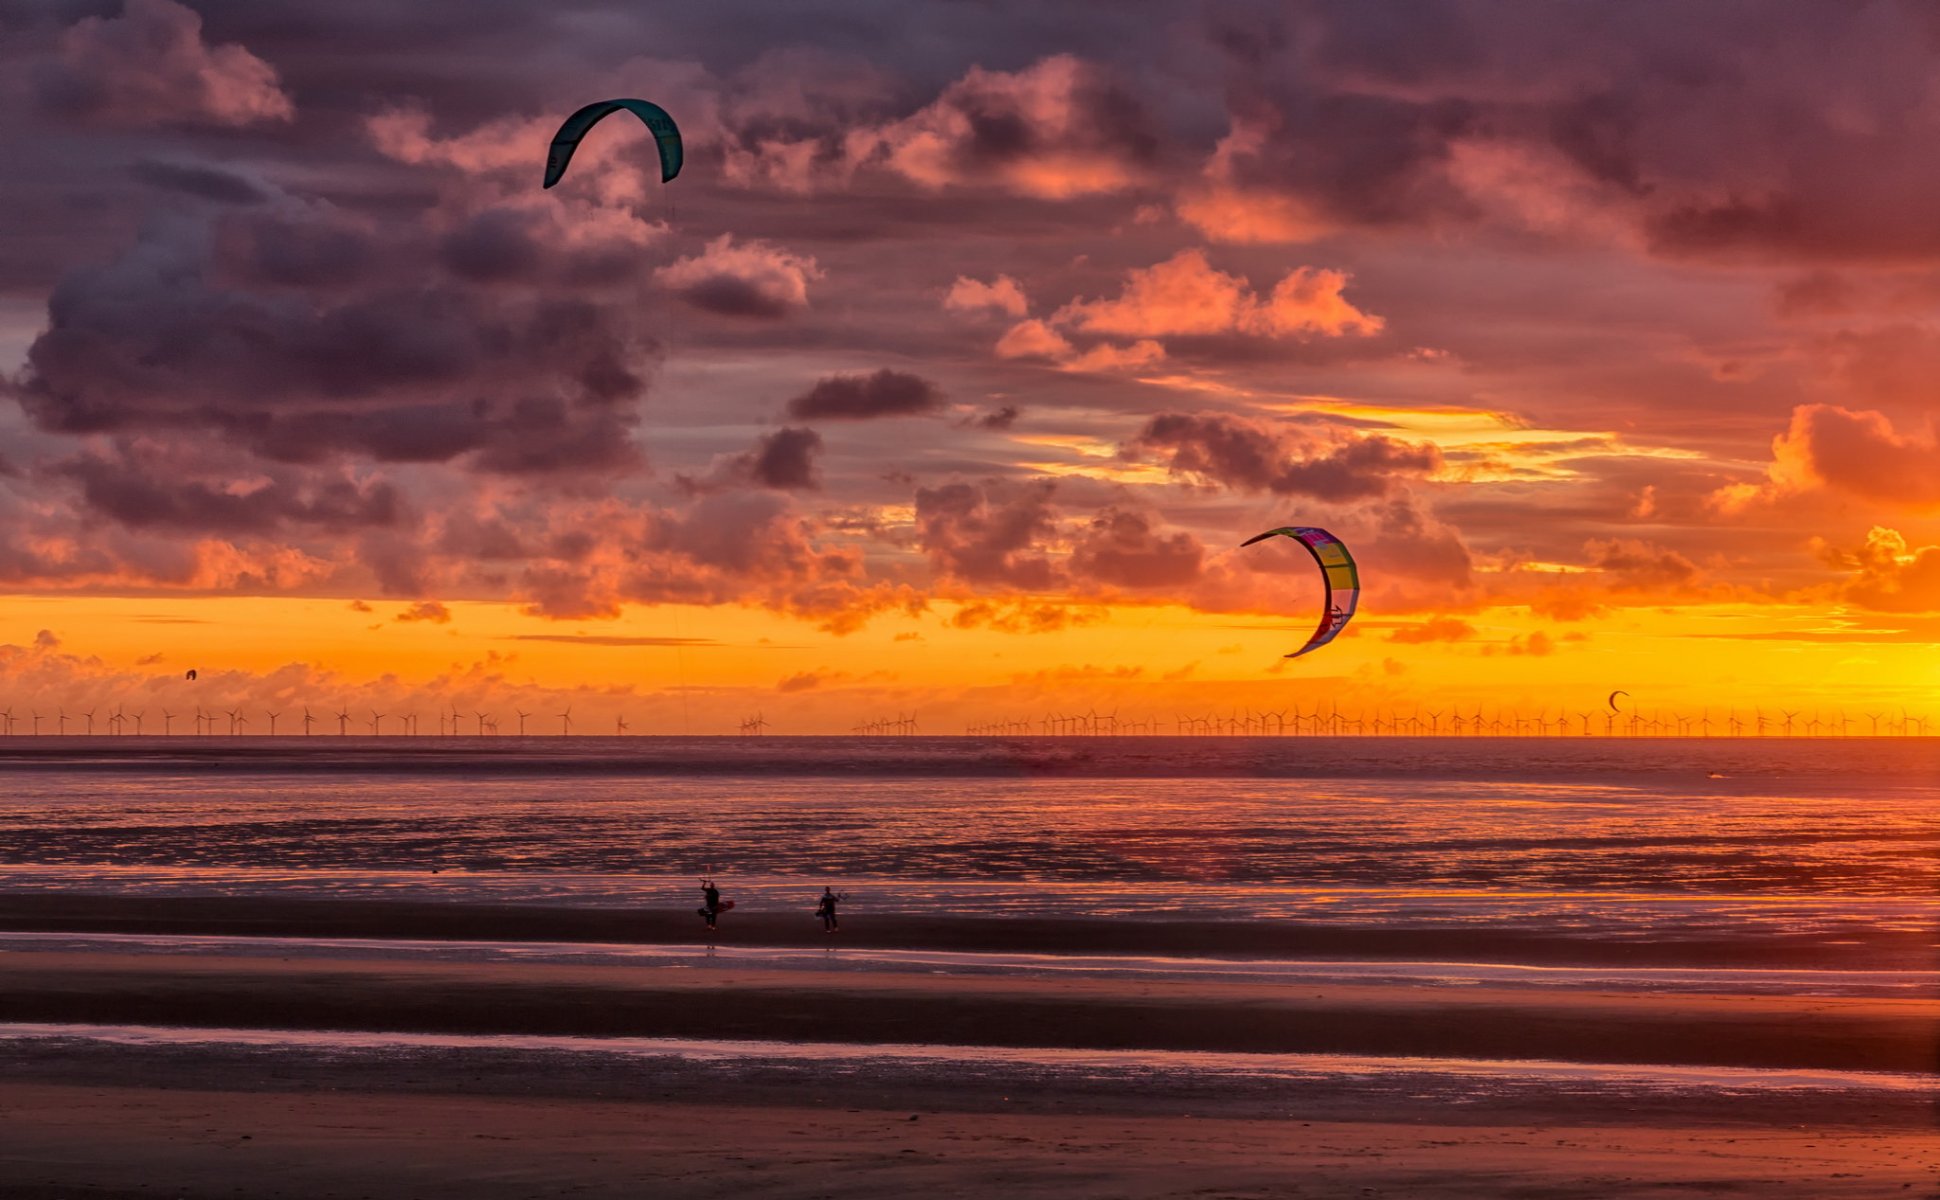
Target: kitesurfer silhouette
x,y
825,909
710,902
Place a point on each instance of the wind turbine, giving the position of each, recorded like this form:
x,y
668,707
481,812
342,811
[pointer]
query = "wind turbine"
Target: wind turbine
x,y
241,722
89,714
522,717
619,726
308,721
566,722
376,722
36,722
168,723
343,722
61,721
272,721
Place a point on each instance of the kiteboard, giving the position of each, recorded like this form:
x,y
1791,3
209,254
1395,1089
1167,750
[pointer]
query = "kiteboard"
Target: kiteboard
x,y
725,905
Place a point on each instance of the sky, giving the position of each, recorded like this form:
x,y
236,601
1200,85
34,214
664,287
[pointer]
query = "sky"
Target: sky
x,y
968,346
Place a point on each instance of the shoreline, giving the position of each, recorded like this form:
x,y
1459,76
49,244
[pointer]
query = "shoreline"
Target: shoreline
x,y
273,916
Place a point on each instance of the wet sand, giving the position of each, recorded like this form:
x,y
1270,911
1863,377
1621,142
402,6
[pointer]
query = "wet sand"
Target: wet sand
x,y
1825,1033
117,1142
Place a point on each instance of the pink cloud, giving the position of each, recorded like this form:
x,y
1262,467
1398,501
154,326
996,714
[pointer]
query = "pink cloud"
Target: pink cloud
x,y
1002,294
1187,295
150,66
753,279
1057,129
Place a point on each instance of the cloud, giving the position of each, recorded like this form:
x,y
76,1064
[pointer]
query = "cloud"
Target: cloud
x,y
1889,575
1121,548
1435,629
1057,129
1630,564
1859,453
753,279
1002,294
1186,295
1034,339
142,493
885,393
515,383
784,459
1024,616
1227,207
150,66
801,682
429,611
1245,456
998,418
989,533
201,180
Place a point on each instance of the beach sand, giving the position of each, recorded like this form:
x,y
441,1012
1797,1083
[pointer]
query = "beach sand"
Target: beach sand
x,y
101,1142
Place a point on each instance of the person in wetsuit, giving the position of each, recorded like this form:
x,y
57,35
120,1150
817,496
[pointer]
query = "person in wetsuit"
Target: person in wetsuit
x,y
710,902
825,909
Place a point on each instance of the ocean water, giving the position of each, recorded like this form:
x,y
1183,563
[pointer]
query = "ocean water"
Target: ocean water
x,y
1835,841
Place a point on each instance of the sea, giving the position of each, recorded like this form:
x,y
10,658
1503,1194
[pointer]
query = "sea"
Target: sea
x,y
1829,844
1815,860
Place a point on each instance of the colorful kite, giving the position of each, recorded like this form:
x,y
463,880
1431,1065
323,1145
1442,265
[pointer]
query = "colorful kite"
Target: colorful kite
x,y
1337,571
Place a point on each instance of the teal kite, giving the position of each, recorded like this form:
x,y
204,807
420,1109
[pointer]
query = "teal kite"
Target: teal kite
x,y
665,132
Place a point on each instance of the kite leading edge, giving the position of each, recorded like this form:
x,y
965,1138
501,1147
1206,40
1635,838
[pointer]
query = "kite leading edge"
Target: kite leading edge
x,y
1338,572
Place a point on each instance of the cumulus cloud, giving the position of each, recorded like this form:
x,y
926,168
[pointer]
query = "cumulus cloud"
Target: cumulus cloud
x,y
1227,206
1247,456
1002,294
429,611
753,279
989,533
783,460
516,383
1122,549
1889,574
884,393
1187,295
1057,129
1859,453
150,66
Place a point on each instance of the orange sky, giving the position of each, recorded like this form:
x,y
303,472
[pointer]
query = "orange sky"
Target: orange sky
x,y
951,372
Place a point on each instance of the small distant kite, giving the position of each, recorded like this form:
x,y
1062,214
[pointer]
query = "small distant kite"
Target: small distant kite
x,y
1338,573
1613,701
190,675
665,132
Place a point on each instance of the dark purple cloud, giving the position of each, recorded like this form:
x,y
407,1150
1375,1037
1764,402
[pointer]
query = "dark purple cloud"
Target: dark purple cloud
x,y
1247,456
884,393
1122,549
989,533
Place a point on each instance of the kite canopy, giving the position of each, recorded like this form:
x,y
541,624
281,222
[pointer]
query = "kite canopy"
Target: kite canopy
x,y
665,132
190,675
1337,571
1613,700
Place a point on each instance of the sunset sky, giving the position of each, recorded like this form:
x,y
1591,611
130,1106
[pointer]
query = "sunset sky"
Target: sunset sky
x,y
966,349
